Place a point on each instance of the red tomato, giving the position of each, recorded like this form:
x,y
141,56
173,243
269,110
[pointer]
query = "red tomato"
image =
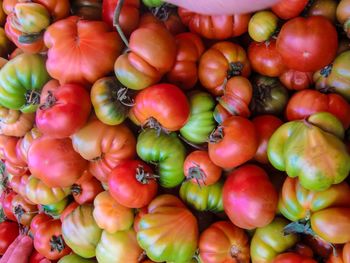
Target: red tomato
x,y
165,103
307,102
287,9
63,109
296,80
86,188
302,46
129,14
200,169
69,208
8,233
55,162
250,199
7,205
36,257
233,143
265,126
292,258
23,210
265,58
38,220
132,184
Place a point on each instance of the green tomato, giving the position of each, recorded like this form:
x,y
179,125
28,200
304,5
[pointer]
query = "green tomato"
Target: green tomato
x,y
269,241
21,80
203,198
201,122
55,209
75,259
262,25
152,3
80,231
167,151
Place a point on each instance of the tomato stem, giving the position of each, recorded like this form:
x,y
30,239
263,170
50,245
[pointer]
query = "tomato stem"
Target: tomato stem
x,y
143,177
154,124
217,135
116,23
57,243
162,12
197,173
50,101
32,97
76,189
124,98
326,71
235,69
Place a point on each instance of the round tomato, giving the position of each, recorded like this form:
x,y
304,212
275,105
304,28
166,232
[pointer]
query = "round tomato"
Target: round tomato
x,y
38,220
296,80
86,188
6,204
326,8
8,233
23,211
262,25
301,43
55,162
132,184
287,9
233,143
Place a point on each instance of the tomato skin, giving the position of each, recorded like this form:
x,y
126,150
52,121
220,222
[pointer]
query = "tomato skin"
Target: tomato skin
x,y
292,258
262,25
63,110
343,255
131,184
287,9
299,43
265,59
68,209
23,210
129,15
37,221
250,199
86,188
71,61
265,126
44,238
6,204
25,142
343,15
234,148
307,102
296,80
8,233
15,123
35,257
326,8
215,27
73,258
164,102
55,209
55,162
223,242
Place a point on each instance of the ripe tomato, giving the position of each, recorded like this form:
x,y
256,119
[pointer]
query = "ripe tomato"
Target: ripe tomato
x,y
23,211
296,80
63,110
250,199
38,220
8,233
200,169
68,209
6,204
14,122
55,162
290,257
132,184
233,143
287,9
301,43
86,188
36,257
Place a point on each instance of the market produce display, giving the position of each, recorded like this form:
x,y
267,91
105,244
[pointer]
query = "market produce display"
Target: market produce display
x,y
139,132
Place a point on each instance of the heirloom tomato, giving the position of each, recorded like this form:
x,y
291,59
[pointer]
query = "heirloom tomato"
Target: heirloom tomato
x,y
132,184
86,188
14,163
80,231
159,233
287,9
343,15
6,204
68,209
38,220
296,80
162,104
104,146
221,114
73,46
325,8
291,257
55,162
73,258
219,63
23,211
233,142
300,40
26,141
63,109
14,122
55,209
167,151
223,242
262,25
8,233
166,16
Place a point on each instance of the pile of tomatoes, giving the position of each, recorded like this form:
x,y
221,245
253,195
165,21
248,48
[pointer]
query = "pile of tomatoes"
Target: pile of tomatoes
x,y
141,132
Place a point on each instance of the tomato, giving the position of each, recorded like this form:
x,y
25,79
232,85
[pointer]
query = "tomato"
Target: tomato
x,y
296,80
167,151
287,9
89,10
55,162
343,256
162,104
129,15
73,258
221,62
80,231
319,246
23,144
250,199
6,204
20,81
184,73
86,188
262,25
8,233
325,8
200,169
145,65
14,122
203,198
36,257
104,146
120,246
265,58
167,16
159,234
72,61
38,220
14,163
55,209
223,242
304,103
343,15
313,141
63,109
111,101
300,40
23,211
292,258
269,96
201,122
265,126
221,114
68,209
233,143
216,26
269,241
132,184
111,215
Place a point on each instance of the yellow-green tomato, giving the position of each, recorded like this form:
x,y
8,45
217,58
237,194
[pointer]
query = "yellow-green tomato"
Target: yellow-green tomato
x,y
75,259
262,25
